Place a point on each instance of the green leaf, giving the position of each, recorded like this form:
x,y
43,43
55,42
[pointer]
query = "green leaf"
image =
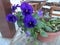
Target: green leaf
x,y
47,28
20,18
55,21
36,34
54,30
36,16
43,20
53,24
43,33
58,25
40,24
20,23
48,23
18,14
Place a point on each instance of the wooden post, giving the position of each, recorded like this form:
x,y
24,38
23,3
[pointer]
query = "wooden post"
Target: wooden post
x,y
7,29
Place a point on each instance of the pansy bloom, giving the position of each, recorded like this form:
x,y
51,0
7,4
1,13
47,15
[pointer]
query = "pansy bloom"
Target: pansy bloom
x,y
28,33
14,7
40,13
26,9
29,21
11,18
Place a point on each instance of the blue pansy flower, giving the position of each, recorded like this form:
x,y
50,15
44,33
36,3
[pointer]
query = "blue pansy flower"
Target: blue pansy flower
x,y
28,33
14,7
11,18
26,9
29,21
40,13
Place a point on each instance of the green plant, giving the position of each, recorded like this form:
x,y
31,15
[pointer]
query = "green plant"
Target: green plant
x,y
34,23
42,26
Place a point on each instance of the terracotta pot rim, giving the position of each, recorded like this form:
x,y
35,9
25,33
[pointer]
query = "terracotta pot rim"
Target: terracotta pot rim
x,y
53,33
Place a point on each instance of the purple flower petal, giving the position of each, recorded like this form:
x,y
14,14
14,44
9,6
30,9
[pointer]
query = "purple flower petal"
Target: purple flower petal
x,y
40,13
11,18
29,21
28,33
26,9
15,7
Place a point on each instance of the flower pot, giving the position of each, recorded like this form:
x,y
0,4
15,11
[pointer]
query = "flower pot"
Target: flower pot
x,y
51,37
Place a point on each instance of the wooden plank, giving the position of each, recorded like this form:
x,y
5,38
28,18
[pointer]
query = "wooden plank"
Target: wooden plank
x,y
7,29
